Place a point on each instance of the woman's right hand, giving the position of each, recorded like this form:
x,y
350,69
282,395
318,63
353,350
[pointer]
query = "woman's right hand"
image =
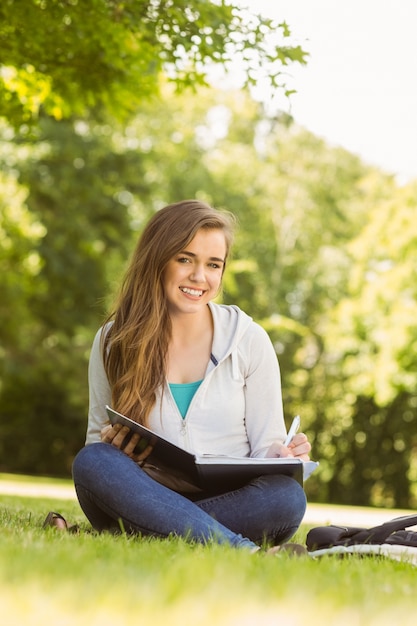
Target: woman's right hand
x,y
118,436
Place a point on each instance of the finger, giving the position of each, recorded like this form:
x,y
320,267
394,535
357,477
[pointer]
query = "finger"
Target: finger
x,y
120,439
286,452
303,457
109,432
142,456
130,445
277,450
297,440
302,450
301,444
104,432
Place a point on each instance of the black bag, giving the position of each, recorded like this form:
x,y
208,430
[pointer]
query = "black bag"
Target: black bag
x,y
390,539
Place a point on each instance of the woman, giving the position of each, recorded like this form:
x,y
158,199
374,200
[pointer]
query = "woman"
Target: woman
x,y
203,375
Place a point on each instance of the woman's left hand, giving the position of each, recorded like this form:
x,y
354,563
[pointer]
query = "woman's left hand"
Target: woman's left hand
x,y
132,444
299,448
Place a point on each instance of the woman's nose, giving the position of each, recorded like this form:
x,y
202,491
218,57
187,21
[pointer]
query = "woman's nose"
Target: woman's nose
x,y
198,274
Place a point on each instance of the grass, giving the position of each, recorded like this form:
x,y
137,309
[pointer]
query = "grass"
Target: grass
x,y
102,580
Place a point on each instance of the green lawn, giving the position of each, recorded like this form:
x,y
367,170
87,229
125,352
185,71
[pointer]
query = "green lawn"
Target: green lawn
x,y
48,577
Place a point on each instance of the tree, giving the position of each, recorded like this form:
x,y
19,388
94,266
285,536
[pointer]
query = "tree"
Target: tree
x,y
370,358
65,227
67,57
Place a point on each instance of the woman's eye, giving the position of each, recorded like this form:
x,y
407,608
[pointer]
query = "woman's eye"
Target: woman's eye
x,y
183,259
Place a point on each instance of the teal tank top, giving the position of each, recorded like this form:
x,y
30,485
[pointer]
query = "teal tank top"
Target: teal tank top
x,y
183,393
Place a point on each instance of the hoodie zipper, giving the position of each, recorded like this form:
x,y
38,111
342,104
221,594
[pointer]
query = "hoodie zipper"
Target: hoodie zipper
x,y
183,420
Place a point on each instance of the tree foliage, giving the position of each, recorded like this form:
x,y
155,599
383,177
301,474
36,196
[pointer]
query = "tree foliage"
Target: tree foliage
x,y
324,259
68,57
370,360
69,211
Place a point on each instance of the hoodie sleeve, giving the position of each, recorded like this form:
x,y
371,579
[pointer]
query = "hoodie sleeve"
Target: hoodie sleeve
x,y
99,392
264,415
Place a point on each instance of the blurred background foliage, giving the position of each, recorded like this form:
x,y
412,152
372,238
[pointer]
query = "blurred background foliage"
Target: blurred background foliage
x,y
325,255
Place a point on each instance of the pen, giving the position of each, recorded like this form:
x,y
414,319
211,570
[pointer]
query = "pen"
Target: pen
x,y
293,429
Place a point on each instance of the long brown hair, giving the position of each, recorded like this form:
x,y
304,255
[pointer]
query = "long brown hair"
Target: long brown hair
x,y
135,346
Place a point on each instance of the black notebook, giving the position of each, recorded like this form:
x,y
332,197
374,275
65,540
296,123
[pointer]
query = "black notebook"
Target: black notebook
x,y
211,472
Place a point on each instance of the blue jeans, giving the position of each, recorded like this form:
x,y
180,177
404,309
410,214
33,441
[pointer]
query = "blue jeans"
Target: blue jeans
x,y
113,488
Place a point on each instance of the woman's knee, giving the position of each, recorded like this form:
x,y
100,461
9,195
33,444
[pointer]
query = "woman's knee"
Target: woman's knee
x,y
92,458
288,495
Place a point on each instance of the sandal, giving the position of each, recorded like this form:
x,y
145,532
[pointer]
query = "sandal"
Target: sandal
x,y
55,520
291,549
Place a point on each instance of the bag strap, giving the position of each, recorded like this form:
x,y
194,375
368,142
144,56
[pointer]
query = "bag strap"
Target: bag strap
x,y
378,534
325,536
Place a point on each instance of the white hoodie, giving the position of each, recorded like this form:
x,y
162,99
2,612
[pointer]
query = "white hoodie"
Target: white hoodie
x,y
236,411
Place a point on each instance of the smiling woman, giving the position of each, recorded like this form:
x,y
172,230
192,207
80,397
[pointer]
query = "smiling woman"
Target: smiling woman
x,y
190,281
191,370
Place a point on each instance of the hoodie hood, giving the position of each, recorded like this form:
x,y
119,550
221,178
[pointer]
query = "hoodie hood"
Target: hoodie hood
x,y
230,324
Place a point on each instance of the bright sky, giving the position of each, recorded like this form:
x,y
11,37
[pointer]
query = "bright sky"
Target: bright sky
x,y
359,88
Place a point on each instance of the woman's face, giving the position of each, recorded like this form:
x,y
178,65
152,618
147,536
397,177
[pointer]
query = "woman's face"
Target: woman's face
x,y
193,276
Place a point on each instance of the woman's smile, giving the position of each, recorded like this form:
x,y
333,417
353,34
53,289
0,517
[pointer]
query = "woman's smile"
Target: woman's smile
x,y
192,292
